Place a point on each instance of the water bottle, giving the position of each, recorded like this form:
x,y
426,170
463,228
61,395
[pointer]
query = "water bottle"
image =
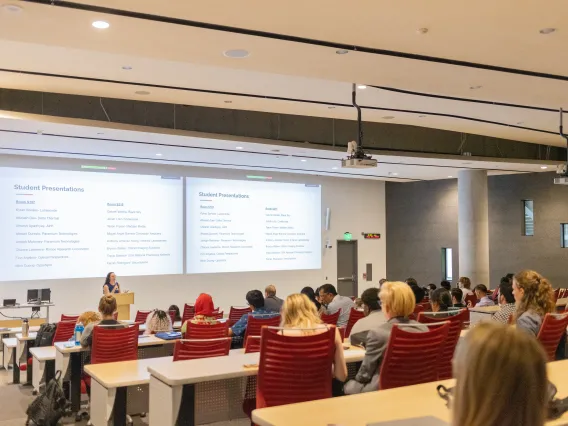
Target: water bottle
x,y
25,328
79,328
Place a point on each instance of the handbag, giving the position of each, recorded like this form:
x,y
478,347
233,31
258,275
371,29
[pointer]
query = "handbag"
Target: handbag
x,y
48,408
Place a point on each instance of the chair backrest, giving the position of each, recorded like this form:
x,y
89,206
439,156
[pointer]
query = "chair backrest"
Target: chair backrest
x,y
411,357
255,324
141,316
112,344
294,368
206,331
218,315
236,313
354,316
188,313
425,305
201,348
551,331
562,293
69,317
330,319
470,300
64,331
456,324
417,309
556,294
252,344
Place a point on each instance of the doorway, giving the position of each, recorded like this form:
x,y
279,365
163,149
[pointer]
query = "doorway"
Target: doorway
x,y
347,268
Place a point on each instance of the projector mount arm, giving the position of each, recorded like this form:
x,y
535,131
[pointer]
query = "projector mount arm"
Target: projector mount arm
x,y
564,136
359,153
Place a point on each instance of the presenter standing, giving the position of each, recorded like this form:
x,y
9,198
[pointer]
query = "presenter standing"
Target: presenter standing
x,y
111,285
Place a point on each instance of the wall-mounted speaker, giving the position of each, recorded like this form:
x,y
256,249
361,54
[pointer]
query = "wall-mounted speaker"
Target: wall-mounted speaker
x,y
327,218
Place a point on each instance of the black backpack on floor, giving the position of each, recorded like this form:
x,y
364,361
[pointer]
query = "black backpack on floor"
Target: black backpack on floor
x,y
45,335
48,408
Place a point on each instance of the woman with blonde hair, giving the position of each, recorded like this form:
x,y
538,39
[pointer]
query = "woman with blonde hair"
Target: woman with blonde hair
x,y
534,298
299,312
88,317
397,302
500,364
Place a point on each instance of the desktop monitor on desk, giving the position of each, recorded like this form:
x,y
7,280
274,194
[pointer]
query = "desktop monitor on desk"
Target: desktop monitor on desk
x,y
45,295
33,296
9,302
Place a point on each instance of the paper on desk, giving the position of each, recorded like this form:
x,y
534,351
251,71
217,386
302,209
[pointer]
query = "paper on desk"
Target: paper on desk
x,y
417,421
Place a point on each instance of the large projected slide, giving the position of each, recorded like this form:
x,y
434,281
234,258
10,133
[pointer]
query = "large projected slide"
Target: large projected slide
x,y
235,225
71,224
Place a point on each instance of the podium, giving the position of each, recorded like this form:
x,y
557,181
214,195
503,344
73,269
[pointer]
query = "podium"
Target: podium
x,y
123,301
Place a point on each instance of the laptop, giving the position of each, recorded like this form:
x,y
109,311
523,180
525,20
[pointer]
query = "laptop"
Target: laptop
x,y
9,302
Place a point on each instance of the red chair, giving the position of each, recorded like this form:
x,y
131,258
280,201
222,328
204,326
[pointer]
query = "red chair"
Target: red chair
x,y
456,326
354,316
141,316
425,305
470,300
417,309
556,294
551,331
235,314
252,344
218,315
410,355
69,317
188,313
562,293
206,331
64,331
283,357
330,319
204,348
255,324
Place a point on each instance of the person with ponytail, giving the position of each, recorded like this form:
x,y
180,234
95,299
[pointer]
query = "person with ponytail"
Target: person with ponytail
x,y
534,298
440,300
158,321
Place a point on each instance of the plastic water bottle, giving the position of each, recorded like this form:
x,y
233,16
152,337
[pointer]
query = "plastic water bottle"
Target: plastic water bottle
x,y
25,327
79,328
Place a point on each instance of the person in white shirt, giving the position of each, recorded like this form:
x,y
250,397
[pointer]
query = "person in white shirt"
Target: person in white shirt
x,y
465,284
333,302
373,317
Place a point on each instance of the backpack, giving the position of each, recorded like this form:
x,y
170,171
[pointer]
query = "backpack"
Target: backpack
x,y
48,408
45,335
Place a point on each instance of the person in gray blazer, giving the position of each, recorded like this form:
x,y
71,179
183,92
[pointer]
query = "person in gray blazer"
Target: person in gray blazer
x,y
373,317
397,300
271,302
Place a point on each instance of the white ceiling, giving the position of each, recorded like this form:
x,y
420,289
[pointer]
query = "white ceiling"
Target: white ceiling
x,y
56,40
27,135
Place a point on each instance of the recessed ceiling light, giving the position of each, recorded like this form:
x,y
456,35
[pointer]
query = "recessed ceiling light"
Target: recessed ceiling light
x,y
361,86
421,116
12,8
422,30
239,147
544,167
236,53
547,30
342,51
393,174
228,102
274,150
158,155
475,87
388,117
334,168
100,133
303,160
520,122
127,67
331,107
142,92
101,25
450,176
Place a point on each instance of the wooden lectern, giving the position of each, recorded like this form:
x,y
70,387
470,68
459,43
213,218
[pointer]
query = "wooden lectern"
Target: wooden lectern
x,y
123,301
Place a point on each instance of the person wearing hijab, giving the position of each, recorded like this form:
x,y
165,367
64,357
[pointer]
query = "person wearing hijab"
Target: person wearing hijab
x,y
203,311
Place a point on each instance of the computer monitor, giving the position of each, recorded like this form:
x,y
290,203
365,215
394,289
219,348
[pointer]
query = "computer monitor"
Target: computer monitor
x,y
9,302
45,295
33,296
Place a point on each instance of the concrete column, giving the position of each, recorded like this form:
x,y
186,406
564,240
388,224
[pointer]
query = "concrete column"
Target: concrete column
x,y
473,226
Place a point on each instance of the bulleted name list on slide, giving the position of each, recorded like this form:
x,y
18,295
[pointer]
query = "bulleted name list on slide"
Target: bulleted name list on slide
x,y
252,226
66,224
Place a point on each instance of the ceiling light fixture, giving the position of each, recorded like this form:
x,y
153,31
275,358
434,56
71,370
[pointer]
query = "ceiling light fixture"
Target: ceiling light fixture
x,y
127,67
421,116
158,155
388,117
101,25
331,107
450,176
547,30
361,86
142,92
12,8
342,51
393,174
239,147
236,53
520,122
228,102
544,167
334,168
422,30
303,160
475,87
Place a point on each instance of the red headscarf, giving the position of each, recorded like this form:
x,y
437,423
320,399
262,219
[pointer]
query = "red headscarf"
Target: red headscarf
x,y
204,305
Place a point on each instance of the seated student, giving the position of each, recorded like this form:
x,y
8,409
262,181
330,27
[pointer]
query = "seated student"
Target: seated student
x,y
411,281
333,302
299,312
506,302
534,299
255,300
203,312
158,321
373,317
481,294
446,284
457,297
465,284
309,292
175,308
502,365
419,293
397,303
440,300
107,307
271,302
88,317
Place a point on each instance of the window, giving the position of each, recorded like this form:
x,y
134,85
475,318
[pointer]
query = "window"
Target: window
x,y
528,218
564,235
447,264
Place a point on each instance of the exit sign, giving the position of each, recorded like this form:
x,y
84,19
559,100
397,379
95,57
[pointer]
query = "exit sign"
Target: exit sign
x,y
371,236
